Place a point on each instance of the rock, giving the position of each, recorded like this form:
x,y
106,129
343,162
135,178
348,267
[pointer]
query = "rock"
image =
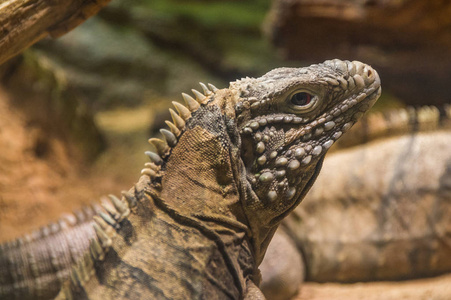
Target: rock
x,y
52,108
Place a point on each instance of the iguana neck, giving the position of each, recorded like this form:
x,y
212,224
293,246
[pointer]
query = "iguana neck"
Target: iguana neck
x,y
199,176
204,177
200,183
164,253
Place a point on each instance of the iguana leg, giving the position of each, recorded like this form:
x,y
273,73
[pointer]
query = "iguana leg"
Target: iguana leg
x,y
282,268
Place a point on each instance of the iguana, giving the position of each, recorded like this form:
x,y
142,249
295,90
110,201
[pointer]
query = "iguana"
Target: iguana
x,y
283,273
383,218
282,267
235,163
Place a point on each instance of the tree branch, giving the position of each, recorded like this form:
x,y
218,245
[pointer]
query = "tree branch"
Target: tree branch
x,y
24,22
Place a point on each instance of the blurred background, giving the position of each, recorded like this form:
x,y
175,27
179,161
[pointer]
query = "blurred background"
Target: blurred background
x,y
77,111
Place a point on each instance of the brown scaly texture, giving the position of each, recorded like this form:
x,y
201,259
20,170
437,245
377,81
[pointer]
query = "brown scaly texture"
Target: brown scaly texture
x,y
282,267
198,222
394,226
397,122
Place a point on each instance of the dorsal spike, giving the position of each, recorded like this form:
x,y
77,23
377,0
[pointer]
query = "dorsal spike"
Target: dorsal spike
x,y
155,158
173,128
75,277
192,104
121,206
183,111
96,208
178,121
109,208
104,239
205,89
201,98
129,197
212,87
96,250
88,265
160,145
149,172
107,218
103,224
169,137
152,166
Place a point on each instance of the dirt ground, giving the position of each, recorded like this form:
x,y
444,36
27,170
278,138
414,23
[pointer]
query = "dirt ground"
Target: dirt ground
x,y
37,186
40,178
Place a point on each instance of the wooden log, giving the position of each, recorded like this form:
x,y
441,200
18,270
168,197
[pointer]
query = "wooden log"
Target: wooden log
x,y
24,22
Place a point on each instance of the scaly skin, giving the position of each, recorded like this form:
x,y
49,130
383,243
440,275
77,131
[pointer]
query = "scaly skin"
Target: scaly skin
x,y
197,224
282,274
392,126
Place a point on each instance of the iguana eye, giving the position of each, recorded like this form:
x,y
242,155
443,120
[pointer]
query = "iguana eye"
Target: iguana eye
x,y
302,101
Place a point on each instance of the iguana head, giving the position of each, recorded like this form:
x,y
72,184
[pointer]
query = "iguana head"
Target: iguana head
x,y
287,120
252,151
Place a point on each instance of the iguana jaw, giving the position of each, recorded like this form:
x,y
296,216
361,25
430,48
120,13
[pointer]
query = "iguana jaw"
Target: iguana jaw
x,y
283,144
